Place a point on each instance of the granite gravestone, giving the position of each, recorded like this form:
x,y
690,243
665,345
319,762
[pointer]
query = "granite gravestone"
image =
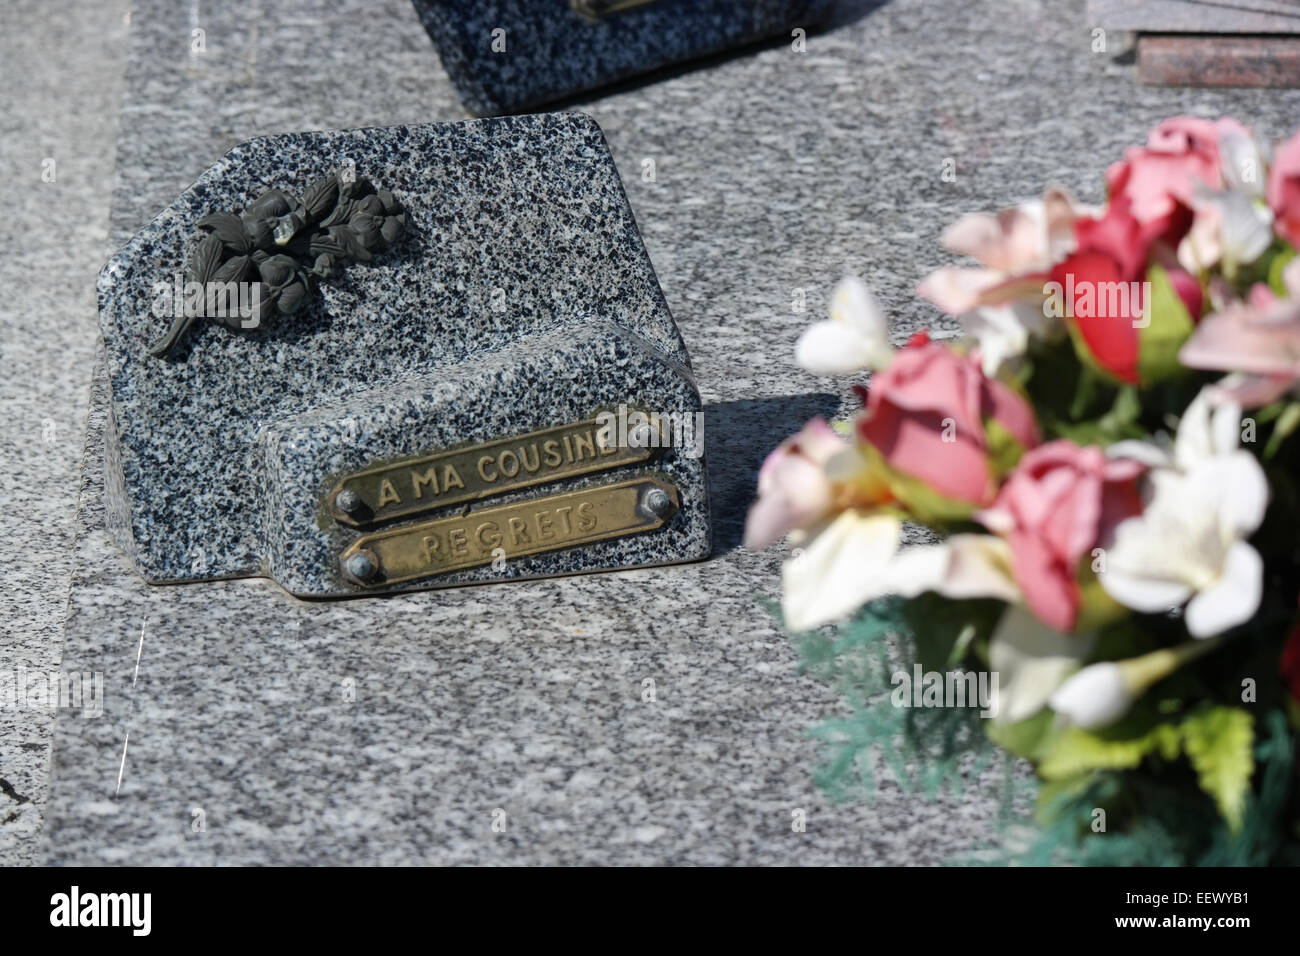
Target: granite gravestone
x,y
438,355
1225,43
505,55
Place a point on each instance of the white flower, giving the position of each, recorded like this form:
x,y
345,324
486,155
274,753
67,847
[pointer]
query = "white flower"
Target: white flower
x,y
854,339
1188,546
1229,227
1102,693
1096,696
1243,161
1233,225
1002,332
1030,659
839,570
855,559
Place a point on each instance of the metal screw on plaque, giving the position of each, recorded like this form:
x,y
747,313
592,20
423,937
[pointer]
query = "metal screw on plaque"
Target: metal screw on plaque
x,y
348,501
656,503
363,565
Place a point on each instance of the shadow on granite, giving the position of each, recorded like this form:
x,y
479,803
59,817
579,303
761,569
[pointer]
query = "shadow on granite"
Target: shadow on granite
x,y
585,99
845,13
738,436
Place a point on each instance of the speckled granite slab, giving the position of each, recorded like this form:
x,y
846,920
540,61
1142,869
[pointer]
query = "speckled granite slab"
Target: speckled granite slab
x,y
504,55
519,298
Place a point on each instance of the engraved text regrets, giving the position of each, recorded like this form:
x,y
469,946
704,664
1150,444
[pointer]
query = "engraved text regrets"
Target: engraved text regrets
x,y
507,531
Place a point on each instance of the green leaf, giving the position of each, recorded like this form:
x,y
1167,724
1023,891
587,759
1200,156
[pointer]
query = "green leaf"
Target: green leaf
x,y
1057,797
1085,392
1025,738
1077,751
1004,449
1287,422
1270,412
1275,266
1218,743
1073,400
1124,412
1169,327
1097,609
1130,637
1120,421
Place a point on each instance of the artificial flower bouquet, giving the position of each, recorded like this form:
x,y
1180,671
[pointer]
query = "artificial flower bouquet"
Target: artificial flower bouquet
x,y
1108,462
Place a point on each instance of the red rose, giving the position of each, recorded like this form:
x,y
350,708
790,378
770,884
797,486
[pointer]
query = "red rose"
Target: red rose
x,y
1111,251
1101,285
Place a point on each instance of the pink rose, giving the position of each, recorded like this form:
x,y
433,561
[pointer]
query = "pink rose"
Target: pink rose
x,y
1022,239
1284,190
1181,153
1015,248
793,489
927,412
1258,340
1053,509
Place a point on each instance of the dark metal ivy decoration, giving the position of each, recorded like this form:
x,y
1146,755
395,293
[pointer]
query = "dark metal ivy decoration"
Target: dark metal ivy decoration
x,y
280,243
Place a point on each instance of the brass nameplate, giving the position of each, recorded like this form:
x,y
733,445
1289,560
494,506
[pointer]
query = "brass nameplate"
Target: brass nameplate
x,y
549,523
443,478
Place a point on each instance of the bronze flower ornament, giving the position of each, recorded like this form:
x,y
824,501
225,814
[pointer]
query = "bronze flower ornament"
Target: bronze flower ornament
x,y
266,257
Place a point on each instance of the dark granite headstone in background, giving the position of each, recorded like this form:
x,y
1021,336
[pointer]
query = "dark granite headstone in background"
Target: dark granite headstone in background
x,y
1202,43
506,55
1196,16
519,298
1271,61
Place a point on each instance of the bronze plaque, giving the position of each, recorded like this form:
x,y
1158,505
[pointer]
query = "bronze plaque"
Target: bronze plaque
x,y
416,485
502,532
